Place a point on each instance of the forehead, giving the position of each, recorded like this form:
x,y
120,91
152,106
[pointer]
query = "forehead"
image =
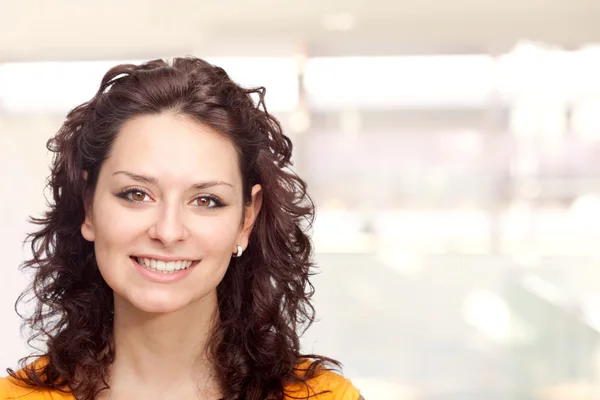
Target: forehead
x,y
174,147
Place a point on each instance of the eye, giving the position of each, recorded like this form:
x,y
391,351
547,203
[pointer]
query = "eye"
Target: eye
x,y
207,202
138,196
134,195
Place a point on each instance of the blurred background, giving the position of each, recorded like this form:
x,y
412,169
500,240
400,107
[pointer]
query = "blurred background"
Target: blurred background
x,y
452,148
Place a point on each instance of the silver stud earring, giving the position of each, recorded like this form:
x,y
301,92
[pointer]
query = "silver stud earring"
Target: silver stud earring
x,y
240,250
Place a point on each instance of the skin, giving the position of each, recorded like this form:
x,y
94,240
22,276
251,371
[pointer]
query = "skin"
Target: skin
x,y
189,205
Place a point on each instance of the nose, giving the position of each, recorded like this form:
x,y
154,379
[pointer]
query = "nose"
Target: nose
x,y
169,226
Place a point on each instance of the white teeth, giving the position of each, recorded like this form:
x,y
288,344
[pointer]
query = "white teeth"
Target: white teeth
x,y
163,266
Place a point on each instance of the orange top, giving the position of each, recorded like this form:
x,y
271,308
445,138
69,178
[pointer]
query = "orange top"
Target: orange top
x,y
338,387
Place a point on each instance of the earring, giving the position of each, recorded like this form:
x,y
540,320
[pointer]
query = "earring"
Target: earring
x,y
240,250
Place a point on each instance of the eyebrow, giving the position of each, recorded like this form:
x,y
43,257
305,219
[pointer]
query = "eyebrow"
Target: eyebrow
x,y
153,181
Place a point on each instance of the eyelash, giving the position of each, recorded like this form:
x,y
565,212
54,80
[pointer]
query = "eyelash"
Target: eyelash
x,y
125,196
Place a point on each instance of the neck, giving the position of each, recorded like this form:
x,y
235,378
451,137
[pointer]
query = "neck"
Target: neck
x,y
162,350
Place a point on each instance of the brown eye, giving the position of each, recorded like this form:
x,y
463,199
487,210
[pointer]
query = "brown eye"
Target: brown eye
x,y
204,202
138,196
134,196
208,202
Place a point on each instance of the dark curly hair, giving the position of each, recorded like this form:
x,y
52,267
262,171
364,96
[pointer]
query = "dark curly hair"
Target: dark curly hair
x,y
264,298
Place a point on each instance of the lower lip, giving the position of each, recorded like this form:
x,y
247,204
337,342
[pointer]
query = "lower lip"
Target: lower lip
x,y
160,277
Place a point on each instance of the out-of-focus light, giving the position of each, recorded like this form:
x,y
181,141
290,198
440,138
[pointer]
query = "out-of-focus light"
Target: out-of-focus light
x,y
396,259
341,22
523,120
532,68
50,87
350,122
399,82
277,74
573,390
340,231
585,210
582,74
538,117
468,141
299,121
528,258
529,189
585,119
543,70
488,313
56,87
543,289
364,291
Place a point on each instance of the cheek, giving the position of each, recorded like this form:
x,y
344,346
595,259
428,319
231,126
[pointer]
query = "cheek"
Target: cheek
x,y
115,226
217,234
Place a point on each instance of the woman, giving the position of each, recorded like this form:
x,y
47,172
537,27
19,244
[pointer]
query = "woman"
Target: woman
x,y
173,262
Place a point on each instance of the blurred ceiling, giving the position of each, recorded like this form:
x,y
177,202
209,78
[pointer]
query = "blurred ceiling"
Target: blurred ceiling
x,y
117,29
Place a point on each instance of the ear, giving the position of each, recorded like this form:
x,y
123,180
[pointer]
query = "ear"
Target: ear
x,y
250,214
87,227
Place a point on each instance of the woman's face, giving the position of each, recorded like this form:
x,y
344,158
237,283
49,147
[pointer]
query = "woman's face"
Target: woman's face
x,y
168,213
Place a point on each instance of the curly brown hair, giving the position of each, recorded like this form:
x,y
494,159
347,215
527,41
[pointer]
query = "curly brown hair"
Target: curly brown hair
x,y
264,298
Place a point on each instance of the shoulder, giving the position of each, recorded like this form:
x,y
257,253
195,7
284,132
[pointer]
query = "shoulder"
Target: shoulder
x,y
10,389
330,384
13,389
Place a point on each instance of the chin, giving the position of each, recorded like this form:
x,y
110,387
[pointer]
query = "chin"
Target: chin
x,y
158,304
159,308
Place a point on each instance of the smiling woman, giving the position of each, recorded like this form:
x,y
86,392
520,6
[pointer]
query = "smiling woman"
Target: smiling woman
x,y
173,261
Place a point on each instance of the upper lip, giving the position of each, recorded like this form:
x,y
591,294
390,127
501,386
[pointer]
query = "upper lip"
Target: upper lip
x,y
162,258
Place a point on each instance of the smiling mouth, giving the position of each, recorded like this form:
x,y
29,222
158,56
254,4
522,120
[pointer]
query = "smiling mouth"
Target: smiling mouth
x,y
165,267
